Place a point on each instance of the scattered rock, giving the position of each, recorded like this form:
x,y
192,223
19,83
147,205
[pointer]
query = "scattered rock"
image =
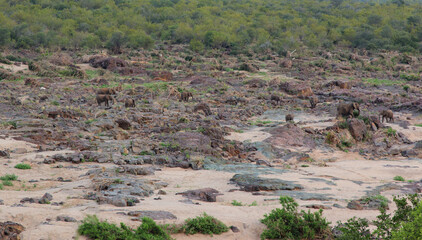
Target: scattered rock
x,y
204,194
123,124
46,199
65,219
137,170
234,229
318,206
366,204
4,153
251,183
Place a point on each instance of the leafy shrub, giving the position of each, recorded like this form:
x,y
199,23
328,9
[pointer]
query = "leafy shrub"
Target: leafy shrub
x,y
236,203
383,200
17,59
22,166
9,177
330,138
356,113
7,183
205,224
390,132
343,125
95,229
409,77
196,45
345,143
287,223
354,229
399,178
10,123
412,228
404,223
365,119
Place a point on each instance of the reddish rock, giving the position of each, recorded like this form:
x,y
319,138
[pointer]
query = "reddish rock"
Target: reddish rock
x,y
357,128
10,230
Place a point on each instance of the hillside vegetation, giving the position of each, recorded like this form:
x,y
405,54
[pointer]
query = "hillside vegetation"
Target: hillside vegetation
x,y
261,25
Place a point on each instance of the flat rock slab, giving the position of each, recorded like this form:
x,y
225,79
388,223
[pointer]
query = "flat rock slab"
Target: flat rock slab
x,y
251,183
244,168
204,194
155,215
305,196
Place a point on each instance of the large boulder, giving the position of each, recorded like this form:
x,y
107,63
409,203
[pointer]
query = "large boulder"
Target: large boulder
x,y
192,140
357,128
140,146
109,63
124,124
297,88
10,230
204,194
249,67
290,135
250,183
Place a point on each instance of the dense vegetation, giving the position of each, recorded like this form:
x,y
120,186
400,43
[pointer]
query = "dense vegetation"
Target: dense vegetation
x,y
287,223
95,229
403,223
233,24
204,224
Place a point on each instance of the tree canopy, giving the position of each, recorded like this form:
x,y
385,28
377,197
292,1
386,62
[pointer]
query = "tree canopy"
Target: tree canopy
x,y
235,24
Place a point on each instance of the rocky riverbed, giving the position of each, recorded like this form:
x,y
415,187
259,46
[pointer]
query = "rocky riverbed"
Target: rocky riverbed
x,y
172,158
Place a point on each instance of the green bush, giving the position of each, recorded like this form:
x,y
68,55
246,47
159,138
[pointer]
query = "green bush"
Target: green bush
x,y
9,177
390,132
196,45
343,125
404,223
14,124
409,77
356,113
399,178
204,224
354,229
7,183
22,166
236,203
288,223
92,228
383,200
411,229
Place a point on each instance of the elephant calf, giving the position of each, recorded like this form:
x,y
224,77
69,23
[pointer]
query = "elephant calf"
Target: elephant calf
x,y
101,98
387,115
